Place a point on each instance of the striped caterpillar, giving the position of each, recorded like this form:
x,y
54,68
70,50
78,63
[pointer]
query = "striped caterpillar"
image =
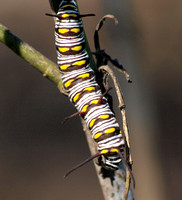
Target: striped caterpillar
x,y
83,91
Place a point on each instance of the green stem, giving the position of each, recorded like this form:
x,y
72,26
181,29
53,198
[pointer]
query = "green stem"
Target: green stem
x,y
32,56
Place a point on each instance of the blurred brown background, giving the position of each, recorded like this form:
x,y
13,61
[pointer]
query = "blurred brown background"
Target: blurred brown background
x,y
35,151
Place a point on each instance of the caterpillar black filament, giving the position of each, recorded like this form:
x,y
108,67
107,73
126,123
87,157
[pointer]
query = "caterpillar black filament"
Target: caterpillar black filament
x,y
84,92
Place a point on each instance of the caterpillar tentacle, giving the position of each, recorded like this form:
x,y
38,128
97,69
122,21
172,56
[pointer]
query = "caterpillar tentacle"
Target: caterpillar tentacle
x,y
71,116
82,163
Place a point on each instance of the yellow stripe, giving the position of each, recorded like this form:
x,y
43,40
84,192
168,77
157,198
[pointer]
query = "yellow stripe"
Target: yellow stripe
x,y
73,15
65,15
104,151
76,97
84,75
84,109
92,123
68,83
75,30
121,133
94,102
63,30
104,116
68,5
77,48
97,135
69,15
63,49
114,150
110,130
79,63
64,67
89,89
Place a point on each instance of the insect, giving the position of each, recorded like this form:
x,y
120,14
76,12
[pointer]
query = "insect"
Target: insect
x,y
83,91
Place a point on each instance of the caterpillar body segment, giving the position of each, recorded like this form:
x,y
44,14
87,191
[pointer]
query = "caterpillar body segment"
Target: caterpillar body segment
x,y
80,83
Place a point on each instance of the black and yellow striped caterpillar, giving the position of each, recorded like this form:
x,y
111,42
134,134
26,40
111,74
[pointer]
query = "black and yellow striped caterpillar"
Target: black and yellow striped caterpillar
x,y
80,83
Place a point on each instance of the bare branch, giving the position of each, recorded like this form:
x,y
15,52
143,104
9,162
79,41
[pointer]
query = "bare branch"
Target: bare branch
x,y
125,125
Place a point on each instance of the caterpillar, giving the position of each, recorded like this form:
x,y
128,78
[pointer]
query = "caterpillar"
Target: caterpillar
x,y
83,90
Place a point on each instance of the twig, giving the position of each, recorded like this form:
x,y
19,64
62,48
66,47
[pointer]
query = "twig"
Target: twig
x,y
102,59
125,125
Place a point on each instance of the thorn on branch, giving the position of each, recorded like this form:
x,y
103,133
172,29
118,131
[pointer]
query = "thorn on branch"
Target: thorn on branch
x,y
122,107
